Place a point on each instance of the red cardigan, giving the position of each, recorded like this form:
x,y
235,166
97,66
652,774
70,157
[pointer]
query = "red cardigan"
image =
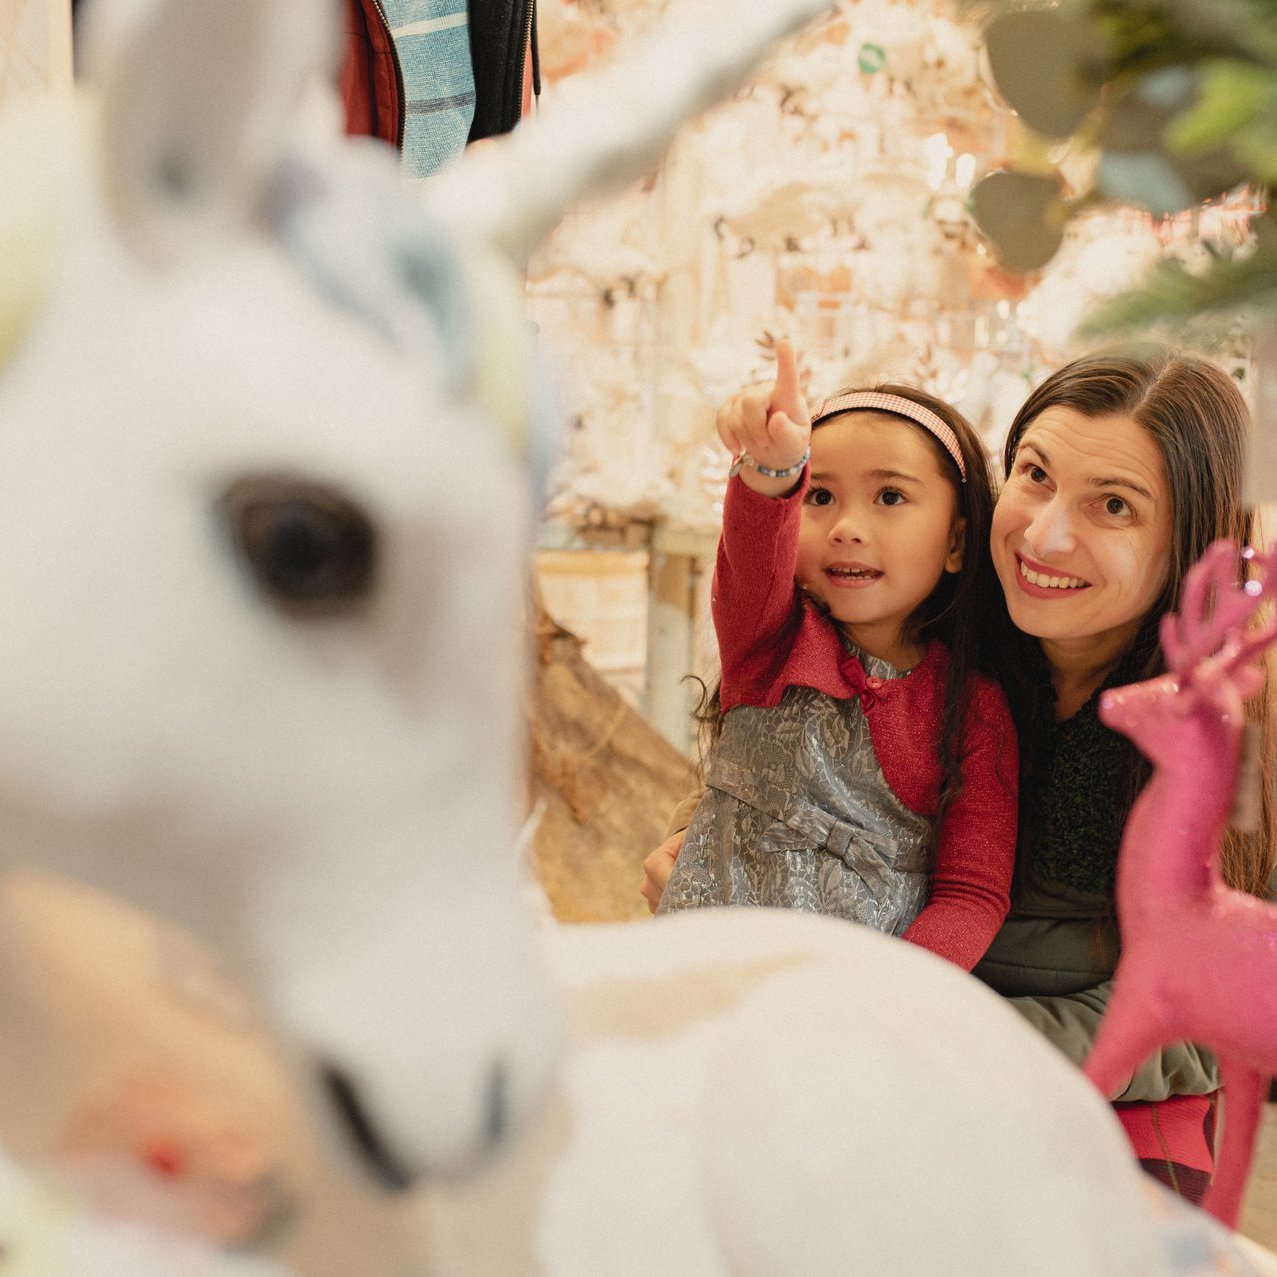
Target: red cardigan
x,y
771,637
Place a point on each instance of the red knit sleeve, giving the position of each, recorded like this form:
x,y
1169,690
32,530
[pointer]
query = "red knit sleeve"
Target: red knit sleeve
x,y
975,848
768,638
754,602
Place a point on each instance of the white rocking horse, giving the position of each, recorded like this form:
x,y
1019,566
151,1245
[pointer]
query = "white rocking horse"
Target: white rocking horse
x,y
262,539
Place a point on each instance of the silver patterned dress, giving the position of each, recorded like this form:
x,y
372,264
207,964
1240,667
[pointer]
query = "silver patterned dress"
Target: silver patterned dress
x,y
798,814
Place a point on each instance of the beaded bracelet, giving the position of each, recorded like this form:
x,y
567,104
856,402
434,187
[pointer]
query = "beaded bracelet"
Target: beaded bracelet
x,y
744,459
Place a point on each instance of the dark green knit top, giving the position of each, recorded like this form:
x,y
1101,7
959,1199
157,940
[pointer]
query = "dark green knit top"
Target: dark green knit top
x,y
1077,791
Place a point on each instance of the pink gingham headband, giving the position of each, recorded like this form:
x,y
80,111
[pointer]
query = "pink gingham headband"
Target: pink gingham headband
x,y
879,401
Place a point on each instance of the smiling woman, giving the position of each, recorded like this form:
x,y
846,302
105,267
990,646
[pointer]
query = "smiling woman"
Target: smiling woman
x,y
1120,470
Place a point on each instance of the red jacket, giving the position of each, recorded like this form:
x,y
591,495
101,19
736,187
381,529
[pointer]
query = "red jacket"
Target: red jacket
x,y
371,82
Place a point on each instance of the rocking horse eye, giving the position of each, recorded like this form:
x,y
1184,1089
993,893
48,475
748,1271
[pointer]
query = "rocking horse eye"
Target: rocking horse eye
x,y
309,547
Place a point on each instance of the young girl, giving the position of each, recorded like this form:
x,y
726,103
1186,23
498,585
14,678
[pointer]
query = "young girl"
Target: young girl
x,y
862,767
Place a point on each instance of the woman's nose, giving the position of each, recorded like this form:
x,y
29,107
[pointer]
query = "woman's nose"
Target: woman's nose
x,y
1051,531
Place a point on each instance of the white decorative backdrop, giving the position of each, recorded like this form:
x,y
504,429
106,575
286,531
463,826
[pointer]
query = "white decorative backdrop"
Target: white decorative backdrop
x,y
826,202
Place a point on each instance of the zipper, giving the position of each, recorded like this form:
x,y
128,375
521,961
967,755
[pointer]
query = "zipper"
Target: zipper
x,y
399,84
529,44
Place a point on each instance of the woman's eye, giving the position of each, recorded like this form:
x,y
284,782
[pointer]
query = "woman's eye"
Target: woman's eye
x,y
1035,473
1116,507
819,496
891,496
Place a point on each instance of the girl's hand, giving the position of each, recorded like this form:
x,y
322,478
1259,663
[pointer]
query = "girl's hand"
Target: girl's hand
x,y
657,869
770,422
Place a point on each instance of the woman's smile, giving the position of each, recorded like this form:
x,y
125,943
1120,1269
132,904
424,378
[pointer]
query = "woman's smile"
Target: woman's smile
x,y
1044,582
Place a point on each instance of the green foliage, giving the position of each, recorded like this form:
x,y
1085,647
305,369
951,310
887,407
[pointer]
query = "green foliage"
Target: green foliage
x,y
1231,97
1179,99
1173,294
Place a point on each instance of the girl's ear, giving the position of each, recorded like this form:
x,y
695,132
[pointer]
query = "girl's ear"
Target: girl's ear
x,y
197,100
957,543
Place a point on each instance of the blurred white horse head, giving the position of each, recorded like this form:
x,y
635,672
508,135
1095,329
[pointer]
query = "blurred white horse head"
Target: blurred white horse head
x,y
265,428
262,665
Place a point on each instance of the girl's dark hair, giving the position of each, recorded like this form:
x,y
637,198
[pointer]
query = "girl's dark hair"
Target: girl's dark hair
x,y
1194,412
961,603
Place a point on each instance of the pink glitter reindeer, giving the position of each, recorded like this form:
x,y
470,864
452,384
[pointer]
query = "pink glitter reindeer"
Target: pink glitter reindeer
x,y
1199,959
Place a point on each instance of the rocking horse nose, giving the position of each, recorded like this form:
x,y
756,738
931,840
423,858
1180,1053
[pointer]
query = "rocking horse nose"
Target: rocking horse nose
x,y
365,1135
362,1132
498,1106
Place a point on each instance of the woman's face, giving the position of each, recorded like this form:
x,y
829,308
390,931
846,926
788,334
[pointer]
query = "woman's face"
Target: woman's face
x,y
1082,530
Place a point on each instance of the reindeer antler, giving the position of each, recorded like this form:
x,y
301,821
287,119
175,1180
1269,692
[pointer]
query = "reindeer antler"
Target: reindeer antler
x,y
1211,623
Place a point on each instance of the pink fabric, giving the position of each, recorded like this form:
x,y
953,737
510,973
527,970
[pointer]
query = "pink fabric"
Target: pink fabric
x,y
1173,1130
770,639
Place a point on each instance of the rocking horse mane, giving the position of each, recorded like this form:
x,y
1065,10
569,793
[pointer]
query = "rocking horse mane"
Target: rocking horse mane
x,y
357,238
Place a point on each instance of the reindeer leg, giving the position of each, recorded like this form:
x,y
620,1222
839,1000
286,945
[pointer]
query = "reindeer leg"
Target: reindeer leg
x,y
1128,1034
1243,1091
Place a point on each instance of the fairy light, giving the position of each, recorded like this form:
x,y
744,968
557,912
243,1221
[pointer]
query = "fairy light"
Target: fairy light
x,y
936,153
